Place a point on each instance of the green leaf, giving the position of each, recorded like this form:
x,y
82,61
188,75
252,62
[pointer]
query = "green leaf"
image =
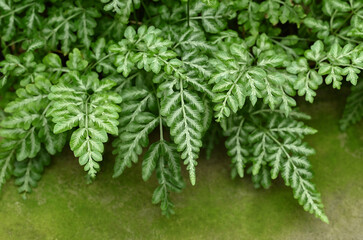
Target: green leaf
x,y
340,5
130,34
86,25
28,147
352,74
52,60
301,65
235,144
76,61
306,84
322,27
133,140
317,51
122,7
29,172
7,157
334,75
353,111
158,195
91,106
185,122
150,159
212,19
53,143
273,143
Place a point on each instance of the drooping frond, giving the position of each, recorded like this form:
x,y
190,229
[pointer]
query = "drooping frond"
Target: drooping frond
x,y
84,102
136,123
130,144
183,115
353,111
25,131
272,144
29,172
162,157
236,141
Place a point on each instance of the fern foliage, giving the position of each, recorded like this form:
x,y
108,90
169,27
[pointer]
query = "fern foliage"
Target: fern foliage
x,y
81,101
26,131
269,144
353,111
185,73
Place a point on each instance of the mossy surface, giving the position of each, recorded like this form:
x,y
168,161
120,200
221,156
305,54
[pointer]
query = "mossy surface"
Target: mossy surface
x,y
65,207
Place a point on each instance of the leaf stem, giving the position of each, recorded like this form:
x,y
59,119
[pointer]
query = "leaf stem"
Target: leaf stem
x,y
99,61
288,49
188,14
17,10
61,24
160,117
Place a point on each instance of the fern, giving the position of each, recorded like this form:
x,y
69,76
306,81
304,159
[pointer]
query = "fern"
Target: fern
x,y
353,111
186,72
183,112
272,144
133,140
25,132
336,63
238,78
122,7
81,100
164,159
28,172
211,139
137,121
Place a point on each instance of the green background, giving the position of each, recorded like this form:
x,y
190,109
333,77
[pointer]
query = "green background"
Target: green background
x,y
65,207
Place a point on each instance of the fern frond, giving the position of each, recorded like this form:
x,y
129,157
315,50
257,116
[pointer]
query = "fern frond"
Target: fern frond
x,y
136,123
102,60
262,178
145,49
9,17
214,19
129,145
237,78
122,7
235,144
191,39
29,172
86,24
163,157
87,103
135,101
26,130
353,111
211,139
21,69
66,27
272,143
28,113
335,63
183,115
7,158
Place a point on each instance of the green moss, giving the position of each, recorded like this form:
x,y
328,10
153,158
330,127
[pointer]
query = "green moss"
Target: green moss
x,y
65,207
